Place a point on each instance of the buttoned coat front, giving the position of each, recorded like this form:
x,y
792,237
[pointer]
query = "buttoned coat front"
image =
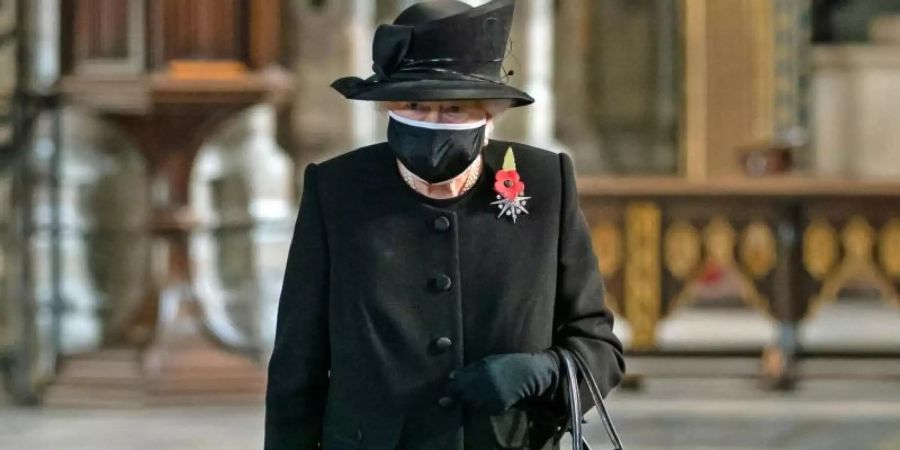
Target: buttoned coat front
x,y
387,291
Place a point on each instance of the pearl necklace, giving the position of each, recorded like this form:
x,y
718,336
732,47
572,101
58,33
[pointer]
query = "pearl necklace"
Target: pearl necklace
x,y
470,179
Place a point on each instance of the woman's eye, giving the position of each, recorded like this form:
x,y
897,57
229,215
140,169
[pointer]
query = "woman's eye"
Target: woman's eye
x,y
412,106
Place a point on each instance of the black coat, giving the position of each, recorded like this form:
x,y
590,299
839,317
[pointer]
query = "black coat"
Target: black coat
x,y
392,290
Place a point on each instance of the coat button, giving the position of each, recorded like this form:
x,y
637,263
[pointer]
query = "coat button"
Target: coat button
x,y
446,402
442,282
443,343
442,223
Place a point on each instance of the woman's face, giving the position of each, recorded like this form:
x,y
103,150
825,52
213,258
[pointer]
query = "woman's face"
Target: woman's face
x,y
449,111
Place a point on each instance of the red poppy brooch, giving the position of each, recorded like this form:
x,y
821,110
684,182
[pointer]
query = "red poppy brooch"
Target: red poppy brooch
x,y
510,189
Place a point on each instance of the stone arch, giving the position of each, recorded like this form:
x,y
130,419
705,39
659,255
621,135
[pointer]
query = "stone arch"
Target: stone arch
x,y
242,192
103,244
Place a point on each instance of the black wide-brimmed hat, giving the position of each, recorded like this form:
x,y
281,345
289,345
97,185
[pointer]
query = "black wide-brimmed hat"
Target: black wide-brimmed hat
x,y
440,50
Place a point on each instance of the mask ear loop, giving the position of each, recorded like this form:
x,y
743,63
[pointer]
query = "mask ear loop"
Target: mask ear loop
x,y
488,129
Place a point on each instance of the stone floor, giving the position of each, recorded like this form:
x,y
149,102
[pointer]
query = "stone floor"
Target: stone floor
x,y
733,414
669,413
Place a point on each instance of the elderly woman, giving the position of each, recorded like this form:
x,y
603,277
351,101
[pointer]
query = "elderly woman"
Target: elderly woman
x,y
431,276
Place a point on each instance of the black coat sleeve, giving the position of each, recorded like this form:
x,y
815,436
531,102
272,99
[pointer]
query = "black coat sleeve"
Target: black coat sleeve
x,y
582,322
298,368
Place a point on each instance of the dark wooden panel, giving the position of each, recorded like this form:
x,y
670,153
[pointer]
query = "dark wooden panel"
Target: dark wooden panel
x,y
115,37
265,26
204,29
103,28
102,35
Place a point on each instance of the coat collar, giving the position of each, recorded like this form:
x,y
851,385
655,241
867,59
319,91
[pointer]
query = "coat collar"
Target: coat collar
x,y
387,166
386,178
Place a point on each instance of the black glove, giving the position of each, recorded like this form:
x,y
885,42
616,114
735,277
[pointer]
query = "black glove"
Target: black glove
x,y
497,382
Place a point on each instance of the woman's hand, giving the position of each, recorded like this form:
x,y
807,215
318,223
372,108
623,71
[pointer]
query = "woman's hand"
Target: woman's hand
x,y
497,382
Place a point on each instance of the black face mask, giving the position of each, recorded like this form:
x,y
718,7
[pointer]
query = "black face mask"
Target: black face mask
x,y
434,151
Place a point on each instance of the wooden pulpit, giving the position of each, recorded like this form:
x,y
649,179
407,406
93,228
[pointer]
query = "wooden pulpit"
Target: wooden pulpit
x,y
168,72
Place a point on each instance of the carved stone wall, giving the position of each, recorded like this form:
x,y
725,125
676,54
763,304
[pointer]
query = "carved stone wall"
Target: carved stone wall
x,y
631,84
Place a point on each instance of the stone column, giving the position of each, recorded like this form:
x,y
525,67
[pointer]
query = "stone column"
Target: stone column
x,y
362,28
28,241
728,84
322,123
792,39
531,59
45,60
104,247
539,68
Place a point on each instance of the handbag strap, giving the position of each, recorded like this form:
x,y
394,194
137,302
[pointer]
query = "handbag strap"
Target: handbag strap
x,y
594,389
574,363
573,399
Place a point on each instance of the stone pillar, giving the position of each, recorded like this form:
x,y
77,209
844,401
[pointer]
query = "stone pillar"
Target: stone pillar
x,y
331,40
26,333
104,247
273,211
362,28
539,68
45,60
728,84
792,39
531,58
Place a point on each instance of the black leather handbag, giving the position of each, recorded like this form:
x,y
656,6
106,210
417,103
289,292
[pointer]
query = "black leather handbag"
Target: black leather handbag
x,y
572,365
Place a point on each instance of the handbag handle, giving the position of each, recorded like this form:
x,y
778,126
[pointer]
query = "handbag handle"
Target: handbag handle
x,y
572,364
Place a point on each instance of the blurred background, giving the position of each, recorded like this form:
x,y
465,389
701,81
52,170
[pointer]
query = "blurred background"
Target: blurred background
x,y
738,161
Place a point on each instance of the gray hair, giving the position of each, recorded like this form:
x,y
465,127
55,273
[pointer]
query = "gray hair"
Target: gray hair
x,y
494,106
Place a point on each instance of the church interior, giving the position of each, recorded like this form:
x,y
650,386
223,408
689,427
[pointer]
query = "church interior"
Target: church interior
x,y
738,165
